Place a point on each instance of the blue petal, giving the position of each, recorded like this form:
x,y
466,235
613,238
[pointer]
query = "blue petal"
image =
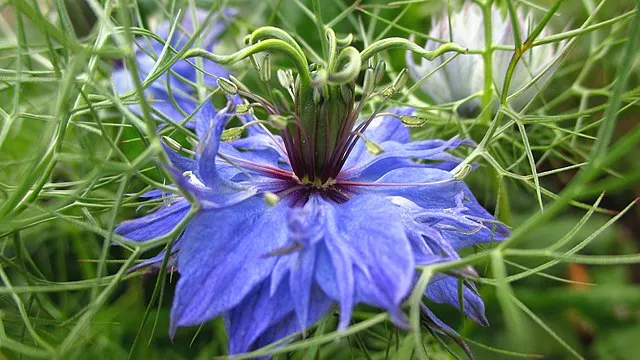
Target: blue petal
x,y
182,163
222,258
444,290
257,311
365,256
155,224
396,155
380,130
319,305
153,264
437,194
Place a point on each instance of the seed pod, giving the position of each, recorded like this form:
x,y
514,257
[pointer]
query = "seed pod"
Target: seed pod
x,y
227,86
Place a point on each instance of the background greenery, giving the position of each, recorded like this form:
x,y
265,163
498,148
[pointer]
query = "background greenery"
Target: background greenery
x,y
70,156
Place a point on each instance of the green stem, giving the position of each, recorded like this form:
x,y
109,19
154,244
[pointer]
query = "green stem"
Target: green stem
x,y
487,58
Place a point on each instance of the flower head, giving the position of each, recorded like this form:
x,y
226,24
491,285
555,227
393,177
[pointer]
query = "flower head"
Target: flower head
x,y
338,209
462,78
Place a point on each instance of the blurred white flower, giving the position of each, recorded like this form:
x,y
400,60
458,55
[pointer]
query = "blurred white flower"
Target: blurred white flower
x,y
463,77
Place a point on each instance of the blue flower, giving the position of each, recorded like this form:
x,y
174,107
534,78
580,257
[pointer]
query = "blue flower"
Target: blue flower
x,y
284,234
172,94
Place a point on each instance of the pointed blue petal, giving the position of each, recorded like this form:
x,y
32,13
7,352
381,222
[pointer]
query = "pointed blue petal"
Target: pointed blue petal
x,y
444,290
222,258
155,224
366,256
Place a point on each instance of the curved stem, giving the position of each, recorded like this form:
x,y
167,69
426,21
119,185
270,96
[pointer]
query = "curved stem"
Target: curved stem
x,y
400,43
266,32
277,45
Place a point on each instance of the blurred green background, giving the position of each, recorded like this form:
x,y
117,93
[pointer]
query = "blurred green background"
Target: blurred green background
x,y
49,251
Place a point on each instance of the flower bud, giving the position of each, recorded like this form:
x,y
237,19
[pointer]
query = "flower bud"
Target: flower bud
x,y
238,83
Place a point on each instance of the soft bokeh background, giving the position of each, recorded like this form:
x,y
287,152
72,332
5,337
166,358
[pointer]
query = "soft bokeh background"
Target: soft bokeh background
x,y
57,292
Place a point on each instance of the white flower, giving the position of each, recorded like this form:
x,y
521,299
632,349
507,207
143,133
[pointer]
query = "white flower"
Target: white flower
x,y
463,77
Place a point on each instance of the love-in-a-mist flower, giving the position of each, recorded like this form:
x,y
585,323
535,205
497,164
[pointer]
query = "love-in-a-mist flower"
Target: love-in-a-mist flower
x,y
337,210
462,78
171,95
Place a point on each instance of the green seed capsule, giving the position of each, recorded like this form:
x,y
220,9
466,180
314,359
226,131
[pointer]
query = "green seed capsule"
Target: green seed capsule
x,y
227,86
